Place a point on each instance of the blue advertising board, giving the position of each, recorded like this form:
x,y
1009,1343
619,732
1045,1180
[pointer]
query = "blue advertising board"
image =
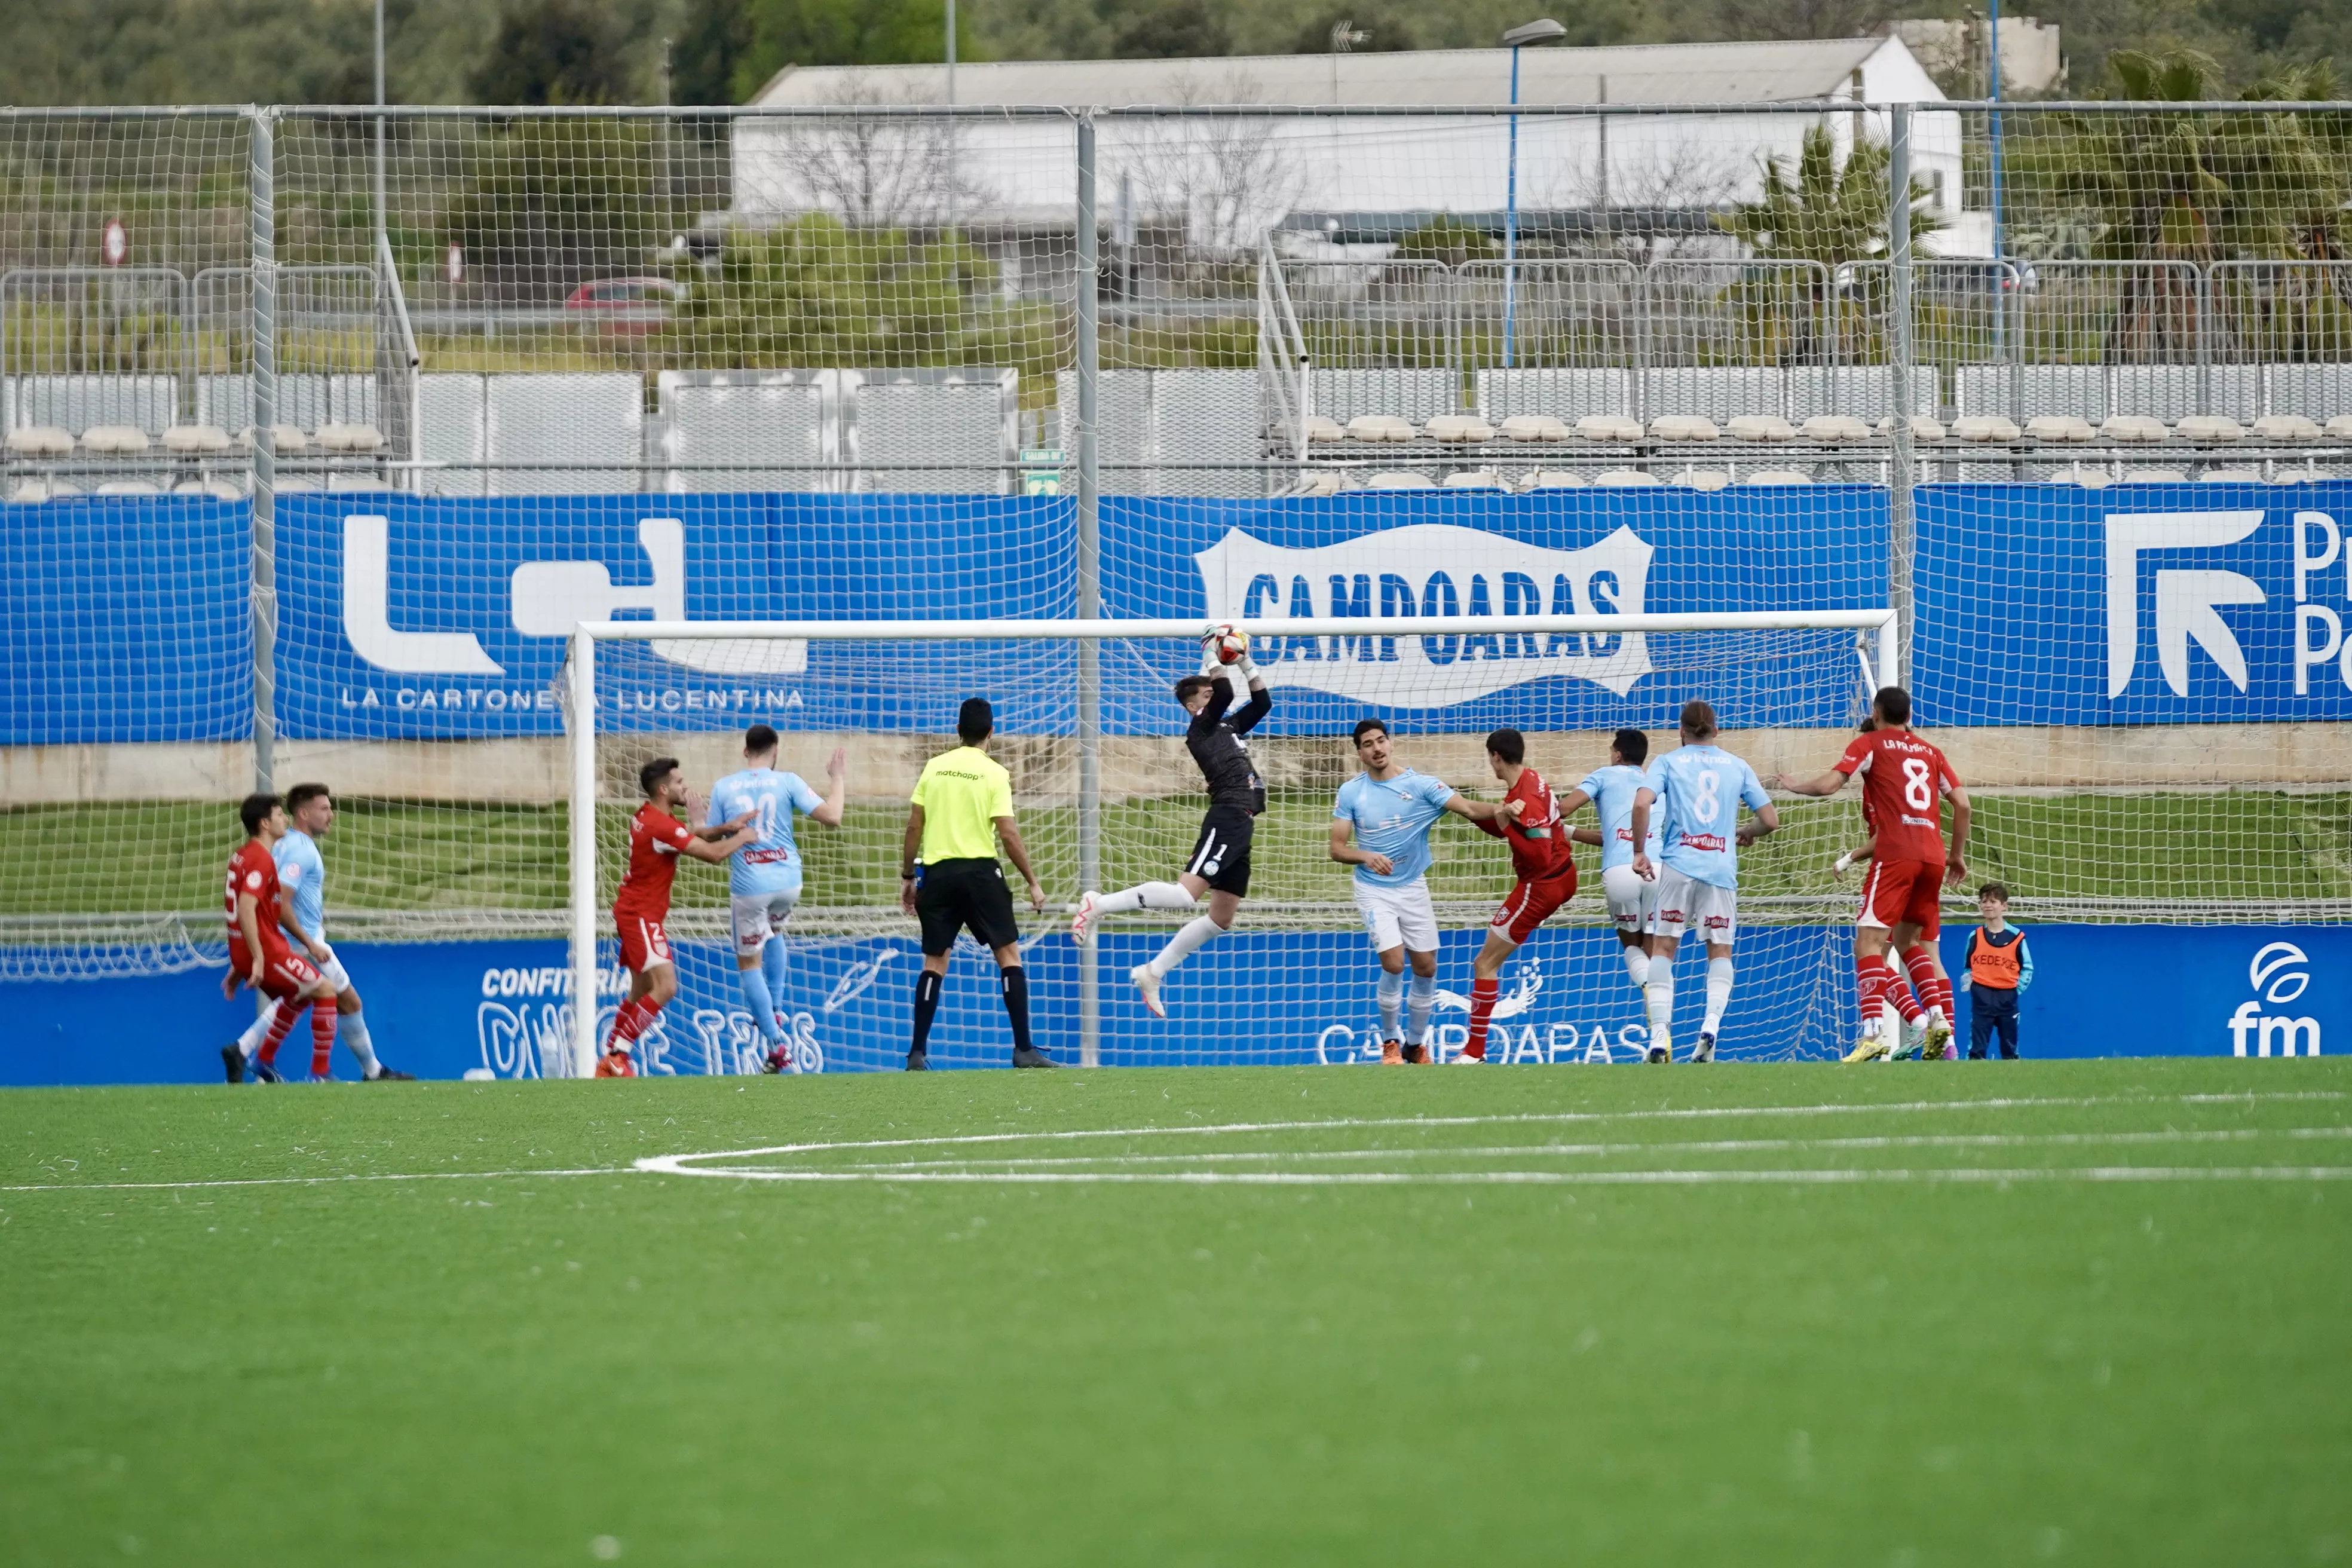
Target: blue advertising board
x,y
501,1009
2136,605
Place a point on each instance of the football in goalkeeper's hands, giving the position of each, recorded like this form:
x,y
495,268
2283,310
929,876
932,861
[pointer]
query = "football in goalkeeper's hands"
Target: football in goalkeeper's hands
x,y
1227,643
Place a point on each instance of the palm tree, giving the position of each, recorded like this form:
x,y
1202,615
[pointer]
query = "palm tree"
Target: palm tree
x,y
1817,209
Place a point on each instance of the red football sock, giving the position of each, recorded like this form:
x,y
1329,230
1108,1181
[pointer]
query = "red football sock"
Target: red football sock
x,y
281,1024
1905,995
630,1021
1869,980
1934,989
1482,1007
322,1037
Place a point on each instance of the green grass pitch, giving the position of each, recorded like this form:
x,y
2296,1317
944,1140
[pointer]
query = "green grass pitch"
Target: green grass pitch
x,y
2088,1313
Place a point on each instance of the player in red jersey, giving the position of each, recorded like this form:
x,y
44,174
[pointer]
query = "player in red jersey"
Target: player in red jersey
x,y
1541,862
1904,780
1899,989
258,955
657,838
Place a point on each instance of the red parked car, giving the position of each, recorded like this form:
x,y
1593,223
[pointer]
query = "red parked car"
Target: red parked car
x,y
626,307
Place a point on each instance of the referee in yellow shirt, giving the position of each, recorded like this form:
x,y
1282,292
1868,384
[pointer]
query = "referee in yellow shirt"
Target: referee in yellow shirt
x,y
949,878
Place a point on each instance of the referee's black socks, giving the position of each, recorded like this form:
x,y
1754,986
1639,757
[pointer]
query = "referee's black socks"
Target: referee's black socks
x,y
1015,982
927,1003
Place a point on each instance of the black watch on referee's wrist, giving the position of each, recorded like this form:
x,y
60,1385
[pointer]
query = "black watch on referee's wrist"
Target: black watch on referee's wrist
x,y
906,875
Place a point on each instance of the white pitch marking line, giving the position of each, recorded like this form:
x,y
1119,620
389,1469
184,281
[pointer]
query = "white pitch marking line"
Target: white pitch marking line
x,y
1710,1146
307,1181
676,1164
1548,1178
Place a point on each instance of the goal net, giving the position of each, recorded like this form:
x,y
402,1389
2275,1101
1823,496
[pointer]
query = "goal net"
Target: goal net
x,y
1105,796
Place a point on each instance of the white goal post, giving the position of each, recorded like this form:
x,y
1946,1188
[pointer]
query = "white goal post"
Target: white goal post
x,y
1876,646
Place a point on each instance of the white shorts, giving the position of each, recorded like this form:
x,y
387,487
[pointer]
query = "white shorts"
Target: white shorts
x,y
1632,901
337,975
1401,916
756,917
1684,905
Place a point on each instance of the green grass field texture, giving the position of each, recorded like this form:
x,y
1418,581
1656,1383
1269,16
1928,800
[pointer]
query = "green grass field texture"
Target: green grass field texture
x,y
2261,847
553,1370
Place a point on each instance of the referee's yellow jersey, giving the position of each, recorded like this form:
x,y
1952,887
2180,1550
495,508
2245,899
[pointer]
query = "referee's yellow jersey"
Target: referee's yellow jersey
x,y
963,792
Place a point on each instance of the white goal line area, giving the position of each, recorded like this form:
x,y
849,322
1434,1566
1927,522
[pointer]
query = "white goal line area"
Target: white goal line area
x,y
698,1164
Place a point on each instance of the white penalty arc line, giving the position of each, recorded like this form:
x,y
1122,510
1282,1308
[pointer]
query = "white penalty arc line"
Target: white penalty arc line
x,y
678,1164
1547,1178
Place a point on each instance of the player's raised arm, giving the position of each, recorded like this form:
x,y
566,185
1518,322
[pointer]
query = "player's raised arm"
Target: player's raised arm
x,y
713,845
836,797
1484,811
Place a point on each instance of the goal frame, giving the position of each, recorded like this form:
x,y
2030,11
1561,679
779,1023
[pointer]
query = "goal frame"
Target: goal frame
x,y
1883,663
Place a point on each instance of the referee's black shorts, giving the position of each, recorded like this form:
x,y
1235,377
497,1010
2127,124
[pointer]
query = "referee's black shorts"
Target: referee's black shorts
x,y
1220,855
954,894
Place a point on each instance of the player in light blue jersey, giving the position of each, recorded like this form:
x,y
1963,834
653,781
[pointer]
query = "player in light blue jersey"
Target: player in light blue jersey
x,y
302,910
1632,900
1698,790
1389,808
764,882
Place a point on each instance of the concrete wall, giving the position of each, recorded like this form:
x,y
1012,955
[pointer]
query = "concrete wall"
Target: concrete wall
x,y
884,766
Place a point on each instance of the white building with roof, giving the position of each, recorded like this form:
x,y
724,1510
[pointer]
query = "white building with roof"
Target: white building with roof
x,y
1226,181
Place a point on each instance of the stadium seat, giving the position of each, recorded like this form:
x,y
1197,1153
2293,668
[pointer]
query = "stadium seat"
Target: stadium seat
x,y
1379,427
1327,482
1320,428
356,482
1406,480
1760,427
2285,428
2340,427
2134,427
2155,477
1556,480
1683,427
33,492
1608,427
114,440
41,441
1835,428
2059,427
1701,478
1984,427
1778,477
350,439
1474,479
1923,428
295,486
2087,479
128,488
284,438
2210,428
2229,476
1534,428
1458,428
1623,478
196,439
212,490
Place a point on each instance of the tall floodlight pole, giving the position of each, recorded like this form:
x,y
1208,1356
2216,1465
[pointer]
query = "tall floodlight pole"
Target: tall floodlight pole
x,y
1992,91
1543,30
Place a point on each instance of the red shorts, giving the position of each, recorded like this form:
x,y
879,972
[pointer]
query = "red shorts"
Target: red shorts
x,y
643,943
1901,892
1532,903
284,973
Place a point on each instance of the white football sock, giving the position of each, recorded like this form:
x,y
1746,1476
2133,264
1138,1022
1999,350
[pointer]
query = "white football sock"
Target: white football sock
x,y
1390,992
1180,947
1147,896
1420,999
256,1031
1719,993
1660,994
1637,964
353,1030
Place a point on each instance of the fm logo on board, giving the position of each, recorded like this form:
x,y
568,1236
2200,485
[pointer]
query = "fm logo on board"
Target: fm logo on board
x,y
2277,976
